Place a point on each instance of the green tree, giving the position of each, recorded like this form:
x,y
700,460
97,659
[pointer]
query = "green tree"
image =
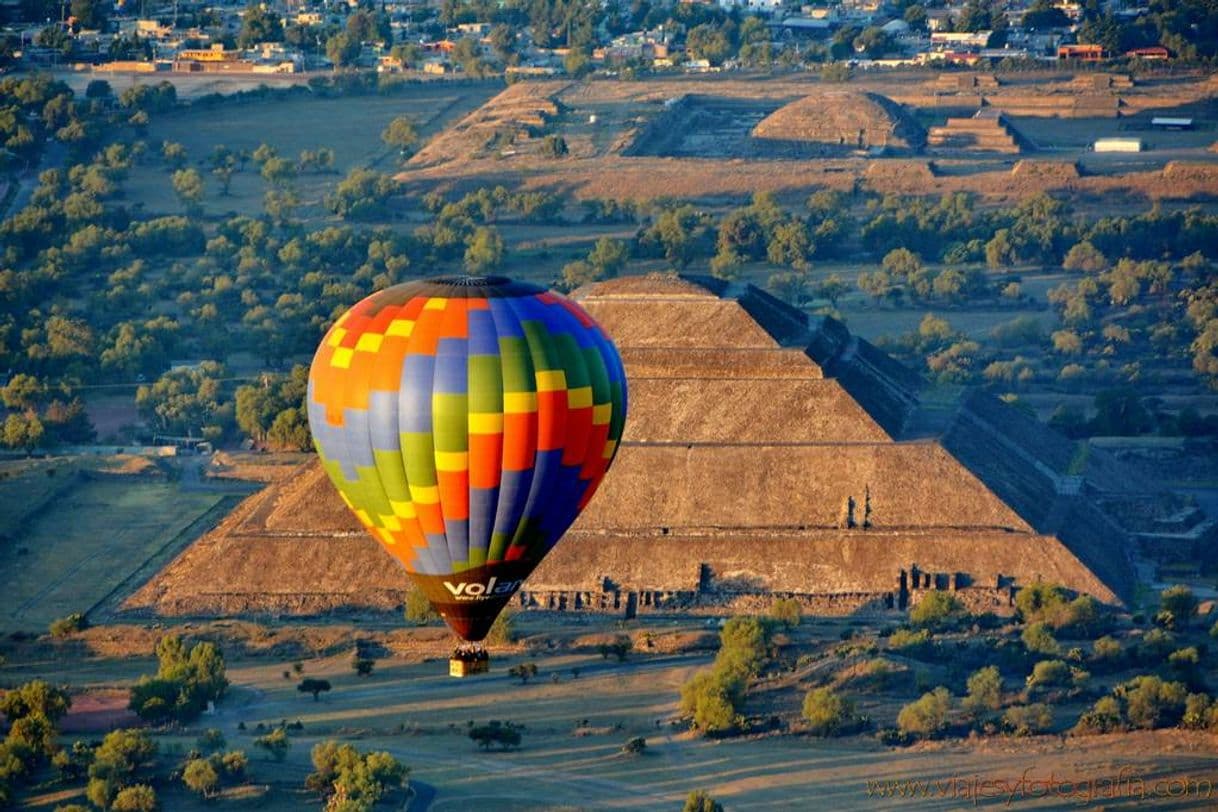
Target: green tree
x,y
1180,605
200,776
35,697
400,134
343,50
826,712
122,759
259,24
484,252
927,716
937,609
709,42
1085,257
136,798
188,186
984,691
309,685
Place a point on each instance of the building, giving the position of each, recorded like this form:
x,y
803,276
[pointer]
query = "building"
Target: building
x,y
1118,145
766,453
960,40
1082,53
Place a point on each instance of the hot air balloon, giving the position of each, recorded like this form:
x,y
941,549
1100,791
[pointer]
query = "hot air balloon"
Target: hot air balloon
x,y
466,421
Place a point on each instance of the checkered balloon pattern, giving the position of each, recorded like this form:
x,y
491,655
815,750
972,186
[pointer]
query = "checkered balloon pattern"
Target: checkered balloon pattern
x,y
466,420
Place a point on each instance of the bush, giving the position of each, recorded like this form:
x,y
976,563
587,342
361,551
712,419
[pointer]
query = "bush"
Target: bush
x,y
503,630
1103,717
1049,674
211,739
309,685
635,746
136,798
1038,639
699,800
505,734
201,777
984,691
910,642
186,680
1108,652
710,698
1177,607
1028,720
937,610
787,612
276,743
620,648
65,626
1151,703
826,712
419,610
926,717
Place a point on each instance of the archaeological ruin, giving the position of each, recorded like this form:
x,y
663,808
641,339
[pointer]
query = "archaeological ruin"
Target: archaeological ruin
x,y
767,453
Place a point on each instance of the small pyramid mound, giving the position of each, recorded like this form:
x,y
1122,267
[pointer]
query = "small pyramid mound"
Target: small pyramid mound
x,y
842,118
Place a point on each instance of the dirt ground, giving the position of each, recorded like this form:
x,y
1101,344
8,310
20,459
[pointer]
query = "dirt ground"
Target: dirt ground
x,y
575,726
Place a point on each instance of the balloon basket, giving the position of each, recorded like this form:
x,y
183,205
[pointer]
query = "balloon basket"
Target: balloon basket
x,y
466,662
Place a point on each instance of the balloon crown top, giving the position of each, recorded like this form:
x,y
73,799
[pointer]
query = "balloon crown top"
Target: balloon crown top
x,y
454,286
471,281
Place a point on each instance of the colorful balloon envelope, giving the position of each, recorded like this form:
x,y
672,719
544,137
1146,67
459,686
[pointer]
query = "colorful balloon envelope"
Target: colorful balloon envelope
x,y
466,421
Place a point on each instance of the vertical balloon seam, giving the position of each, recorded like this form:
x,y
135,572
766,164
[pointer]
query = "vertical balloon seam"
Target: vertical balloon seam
x,y
562,512
389,465
421,458
450,427
509,513
488,506
545,471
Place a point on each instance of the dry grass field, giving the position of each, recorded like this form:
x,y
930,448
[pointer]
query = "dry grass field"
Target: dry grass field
x,y
574,729
349,126
82,536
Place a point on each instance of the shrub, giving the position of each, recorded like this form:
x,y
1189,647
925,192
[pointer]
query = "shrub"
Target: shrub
x,y
1038,639
910,642
503,630
699,800
937,610
201,777
1151,702
710,698
635,746
275,743
1108,652
136,798
65,626
419,610
1049,674
1103,717
1177,607
787,612
927,716
211,739
309,685
620,648
505,734
1027,720
826,712
984,691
